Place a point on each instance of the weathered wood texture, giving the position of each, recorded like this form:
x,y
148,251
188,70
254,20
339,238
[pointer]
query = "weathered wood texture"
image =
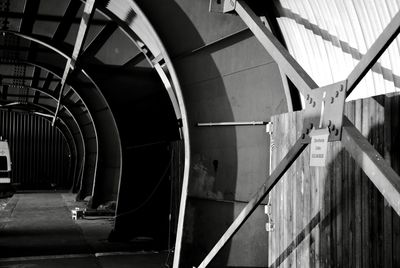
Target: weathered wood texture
x,y
334,216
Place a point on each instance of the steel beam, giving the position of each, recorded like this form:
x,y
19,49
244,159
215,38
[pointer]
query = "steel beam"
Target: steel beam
x,y
4,93
134,61
278,52
373,53
30,12
378,170
88,13
50,18
98,42
262,192
386,180
67,21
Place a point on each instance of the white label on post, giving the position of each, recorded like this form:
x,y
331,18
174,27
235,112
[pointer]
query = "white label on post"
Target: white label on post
x,y
319,147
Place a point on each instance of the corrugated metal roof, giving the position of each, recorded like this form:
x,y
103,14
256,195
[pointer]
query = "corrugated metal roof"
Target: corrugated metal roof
x,y
329,37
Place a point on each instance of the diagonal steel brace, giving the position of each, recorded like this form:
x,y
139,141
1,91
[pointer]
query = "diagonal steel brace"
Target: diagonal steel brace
x,y
87,16
262,192
381,174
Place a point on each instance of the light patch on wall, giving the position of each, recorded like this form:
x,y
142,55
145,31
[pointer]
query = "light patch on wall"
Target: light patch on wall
x,y
203,178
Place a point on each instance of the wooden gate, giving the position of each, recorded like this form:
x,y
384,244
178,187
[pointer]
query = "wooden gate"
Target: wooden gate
x,y
335,216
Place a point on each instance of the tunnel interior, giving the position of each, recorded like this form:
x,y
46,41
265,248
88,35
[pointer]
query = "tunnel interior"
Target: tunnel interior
x,y
103,129
104,103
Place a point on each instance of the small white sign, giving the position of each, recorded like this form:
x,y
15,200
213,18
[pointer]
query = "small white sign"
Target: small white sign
x,y
319,147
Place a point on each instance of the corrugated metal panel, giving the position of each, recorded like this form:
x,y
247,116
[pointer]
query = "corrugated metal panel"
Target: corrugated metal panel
x,y
328,38
39,152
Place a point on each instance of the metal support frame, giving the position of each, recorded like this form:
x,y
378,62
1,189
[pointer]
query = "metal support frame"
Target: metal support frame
x,y
87,16
324,108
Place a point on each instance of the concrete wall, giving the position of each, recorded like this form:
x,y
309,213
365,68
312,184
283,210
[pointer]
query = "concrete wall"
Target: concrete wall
x,y
233,80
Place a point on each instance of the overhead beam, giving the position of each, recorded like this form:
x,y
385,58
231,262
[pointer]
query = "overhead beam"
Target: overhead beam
x,y
56,46
69,94
57,89
35,83
134,61
88,13
67,20
46,94
29,78
47,17
262,192
4,94
218,44
32,52
36,97
386,180
98,42
30,12
373,53
26,96
35,78
49,78
278,52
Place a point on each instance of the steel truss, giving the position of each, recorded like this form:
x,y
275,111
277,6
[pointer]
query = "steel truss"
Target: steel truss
x,y
324,109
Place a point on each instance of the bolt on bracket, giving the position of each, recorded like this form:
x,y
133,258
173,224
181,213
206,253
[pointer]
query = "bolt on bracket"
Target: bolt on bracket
x,y
222,6
324,109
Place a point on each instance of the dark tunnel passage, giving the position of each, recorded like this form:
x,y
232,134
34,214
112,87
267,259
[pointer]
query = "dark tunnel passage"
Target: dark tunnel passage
x,y
115,131
118,91
41,156
176,133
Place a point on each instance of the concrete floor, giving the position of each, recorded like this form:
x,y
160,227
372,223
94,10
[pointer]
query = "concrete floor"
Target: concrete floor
x,y
36,230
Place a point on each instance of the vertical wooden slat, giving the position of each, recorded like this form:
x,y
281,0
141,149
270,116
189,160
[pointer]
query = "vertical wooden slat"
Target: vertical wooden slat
x,y
340,205
366,196
395,156
279,215
299,251
356,227
387,220
379,123
358,196
374,207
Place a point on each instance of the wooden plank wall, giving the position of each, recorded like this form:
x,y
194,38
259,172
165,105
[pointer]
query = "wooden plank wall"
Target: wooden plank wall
x,y
334,216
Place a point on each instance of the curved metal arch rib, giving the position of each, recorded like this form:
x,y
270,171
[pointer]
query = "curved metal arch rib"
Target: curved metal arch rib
x,y
68,126
118,10
40,40
100,99
66,133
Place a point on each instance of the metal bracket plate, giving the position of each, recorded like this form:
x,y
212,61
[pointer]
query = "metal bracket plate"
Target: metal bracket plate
x,y
324,109
222,6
